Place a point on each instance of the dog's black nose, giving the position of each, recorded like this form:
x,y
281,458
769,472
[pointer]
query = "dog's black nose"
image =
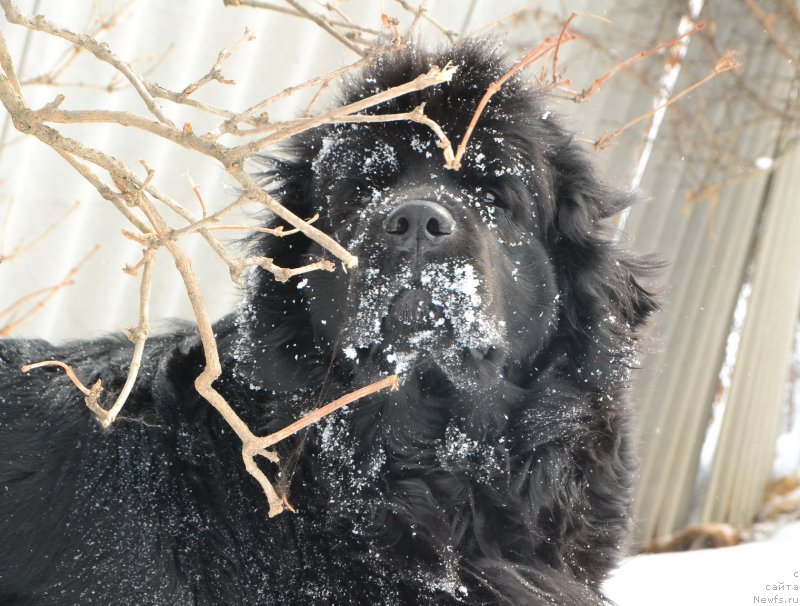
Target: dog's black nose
x,y
419,222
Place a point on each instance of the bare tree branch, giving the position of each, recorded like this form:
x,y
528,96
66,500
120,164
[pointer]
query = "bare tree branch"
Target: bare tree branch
x,y
215,73
101,51
533,55
727,62
324,24
48,231
46,295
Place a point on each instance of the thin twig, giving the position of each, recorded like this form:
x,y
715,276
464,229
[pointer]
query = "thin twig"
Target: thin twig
x,y
101,51
422,10
196,189
248,114
558,45
594,86
324,24
278,232
532,55
432,77
727,62
29,297
247,180
7,64
215,73
316,415
138,336
768,25
50,292
314,99
293,13
67,369
282,274
415,115
73,52
21,249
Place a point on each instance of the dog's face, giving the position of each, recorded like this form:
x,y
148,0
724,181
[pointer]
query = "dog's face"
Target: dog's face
x,y
452,266
472,272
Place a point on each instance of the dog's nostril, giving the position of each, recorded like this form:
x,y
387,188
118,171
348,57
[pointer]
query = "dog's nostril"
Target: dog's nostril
x,y
437,228
398,226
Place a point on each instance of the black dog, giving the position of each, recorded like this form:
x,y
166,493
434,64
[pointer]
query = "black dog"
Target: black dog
x,y
499,473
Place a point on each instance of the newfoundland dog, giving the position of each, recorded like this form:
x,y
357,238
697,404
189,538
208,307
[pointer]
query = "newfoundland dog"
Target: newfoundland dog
x,y
499,473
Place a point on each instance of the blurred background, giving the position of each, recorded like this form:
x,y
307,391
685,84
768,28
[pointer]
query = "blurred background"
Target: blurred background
x,y
713,151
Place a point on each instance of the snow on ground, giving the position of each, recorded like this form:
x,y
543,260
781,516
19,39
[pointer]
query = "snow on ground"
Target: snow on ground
x,y
765,572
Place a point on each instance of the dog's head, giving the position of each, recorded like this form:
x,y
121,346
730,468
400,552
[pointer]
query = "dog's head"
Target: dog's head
x,y
472,271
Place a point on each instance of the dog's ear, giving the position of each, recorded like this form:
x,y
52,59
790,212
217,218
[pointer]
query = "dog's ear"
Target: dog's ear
x,y
288,179
633,302
607,278
614,202
583,199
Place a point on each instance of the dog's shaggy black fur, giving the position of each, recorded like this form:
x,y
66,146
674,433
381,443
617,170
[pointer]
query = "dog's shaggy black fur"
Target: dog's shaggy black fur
x,y
499,473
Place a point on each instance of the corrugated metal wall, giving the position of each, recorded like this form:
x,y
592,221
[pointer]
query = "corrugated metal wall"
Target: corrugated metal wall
x,y
708,244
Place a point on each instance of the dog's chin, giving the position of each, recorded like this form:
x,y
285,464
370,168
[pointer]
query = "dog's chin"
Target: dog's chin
x,y
412,311
417,336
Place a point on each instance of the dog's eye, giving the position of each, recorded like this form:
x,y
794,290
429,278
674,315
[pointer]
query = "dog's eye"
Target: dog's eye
x,y
353,191
492,199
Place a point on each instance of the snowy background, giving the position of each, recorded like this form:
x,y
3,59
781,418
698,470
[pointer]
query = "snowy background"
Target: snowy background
x,y
767,572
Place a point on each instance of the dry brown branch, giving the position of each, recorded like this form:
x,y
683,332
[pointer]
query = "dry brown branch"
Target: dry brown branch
x,y
51,113
314,99
215,73
259,120
316,415
138,336
212,218
793,10
288,11
421,11
31,122
46,295
249,113
196,189
261,446
282,274
251,185
533,55
324,24
415,115
334,9
101,51
279,231
135,195
67,369
712,191
13,307
435,75
567,23
594,86
7,65
726,63
21,249
28,121
768,25
69,56
251,445
137,198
